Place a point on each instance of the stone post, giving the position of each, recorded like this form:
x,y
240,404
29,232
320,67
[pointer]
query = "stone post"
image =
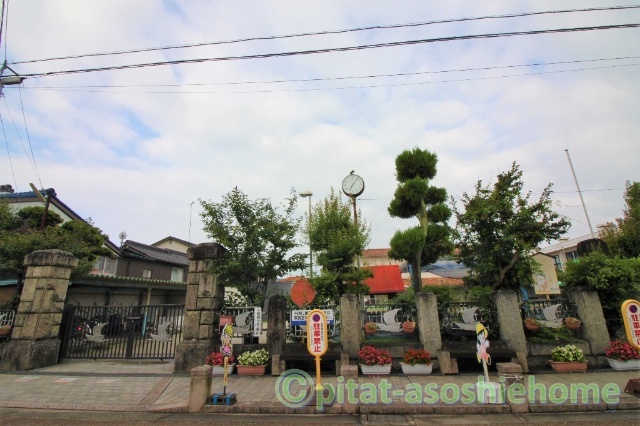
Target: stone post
x,y
276,332
511,328
350,324
199,388
34,342
428,321
201,309
594,326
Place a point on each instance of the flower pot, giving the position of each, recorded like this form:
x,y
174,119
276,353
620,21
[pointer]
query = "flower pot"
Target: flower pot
x,y
251,370
375,370
416,369
631,364
5,330
408,326
569,367
370,329
572,323
531,325
224,320
218,370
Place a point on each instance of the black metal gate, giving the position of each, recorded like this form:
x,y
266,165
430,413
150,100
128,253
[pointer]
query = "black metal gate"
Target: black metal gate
x,y
121,332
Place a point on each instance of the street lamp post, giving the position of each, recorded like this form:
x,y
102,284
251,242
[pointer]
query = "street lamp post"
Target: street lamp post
x,y
304,194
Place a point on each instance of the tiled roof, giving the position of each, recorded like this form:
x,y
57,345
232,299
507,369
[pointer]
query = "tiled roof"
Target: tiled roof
x,y
386,279
429,282
155,253
378,252
170,238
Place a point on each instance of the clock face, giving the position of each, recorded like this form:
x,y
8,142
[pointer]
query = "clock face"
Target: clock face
x,y
353,185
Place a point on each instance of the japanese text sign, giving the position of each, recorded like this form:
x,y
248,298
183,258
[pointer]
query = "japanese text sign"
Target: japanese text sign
x,y
631,319
317,341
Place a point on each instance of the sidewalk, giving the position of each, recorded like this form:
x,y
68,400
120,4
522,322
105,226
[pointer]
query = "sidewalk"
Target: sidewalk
x,y
150,386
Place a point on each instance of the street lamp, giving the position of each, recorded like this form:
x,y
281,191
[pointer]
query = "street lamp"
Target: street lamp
x,y
304,194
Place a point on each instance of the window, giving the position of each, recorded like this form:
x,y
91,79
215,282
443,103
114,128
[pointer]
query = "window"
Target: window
x,y
177,274
558,262
104,266
146,273
571,255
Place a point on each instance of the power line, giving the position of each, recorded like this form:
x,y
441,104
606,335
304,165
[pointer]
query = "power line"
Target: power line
x,y
372,86
307,80
327,32
335,49
6,141
32,159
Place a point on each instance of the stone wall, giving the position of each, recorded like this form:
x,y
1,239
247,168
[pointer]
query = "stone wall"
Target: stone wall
x,y
34,341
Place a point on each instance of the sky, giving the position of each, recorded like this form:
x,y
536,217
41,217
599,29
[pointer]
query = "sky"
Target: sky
x,y
136,149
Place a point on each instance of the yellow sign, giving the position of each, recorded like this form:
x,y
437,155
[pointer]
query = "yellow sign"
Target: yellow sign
x,y
631,319
317,341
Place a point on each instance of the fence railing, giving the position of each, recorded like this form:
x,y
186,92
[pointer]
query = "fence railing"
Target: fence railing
x,y
247,320
7,317
389,316
297,323
121,332
458,320
549,312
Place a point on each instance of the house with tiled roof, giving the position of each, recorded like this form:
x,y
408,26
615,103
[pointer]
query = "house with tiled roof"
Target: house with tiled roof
x,y
146,261
174,243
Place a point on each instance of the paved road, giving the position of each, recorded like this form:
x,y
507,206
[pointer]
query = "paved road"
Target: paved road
x,y
12,416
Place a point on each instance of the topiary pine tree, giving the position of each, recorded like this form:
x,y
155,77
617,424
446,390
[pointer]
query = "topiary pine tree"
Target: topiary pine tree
x,y
415,197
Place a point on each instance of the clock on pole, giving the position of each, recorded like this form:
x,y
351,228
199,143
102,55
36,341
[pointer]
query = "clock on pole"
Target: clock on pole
x,y
353,185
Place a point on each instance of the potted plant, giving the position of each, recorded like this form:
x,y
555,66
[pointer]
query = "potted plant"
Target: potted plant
x,y
622,356
370,328
374,361
567,359
531,324
216,361
253,363
572,323
408,326
416,361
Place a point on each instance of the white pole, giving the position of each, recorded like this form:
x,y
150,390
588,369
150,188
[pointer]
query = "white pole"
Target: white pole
x,y
580,193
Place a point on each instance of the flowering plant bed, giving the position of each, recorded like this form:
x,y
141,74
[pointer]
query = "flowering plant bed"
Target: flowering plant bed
x,y
621,351
258,357
567,353
416,356
217,359
369,355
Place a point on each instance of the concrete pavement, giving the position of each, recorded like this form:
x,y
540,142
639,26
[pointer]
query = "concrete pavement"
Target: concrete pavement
x,y
150,386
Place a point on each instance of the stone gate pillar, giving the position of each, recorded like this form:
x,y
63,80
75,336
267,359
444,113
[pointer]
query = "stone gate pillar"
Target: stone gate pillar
x,y
594,326
511,328
428,321
350,324
34,341
201,309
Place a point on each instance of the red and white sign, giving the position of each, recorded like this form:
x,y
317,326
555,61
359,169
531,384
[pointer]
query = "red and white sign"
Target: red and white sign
x,y
631,319
317,341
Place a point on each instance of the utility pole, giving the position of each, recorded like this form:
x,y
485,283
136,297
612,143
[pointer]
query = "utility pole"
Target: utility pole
x,y
584,207
9,79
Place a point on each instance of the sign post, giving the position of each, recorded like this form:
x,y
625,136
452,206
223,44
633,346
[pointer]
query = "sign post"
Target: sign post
x,y
631,319
317,340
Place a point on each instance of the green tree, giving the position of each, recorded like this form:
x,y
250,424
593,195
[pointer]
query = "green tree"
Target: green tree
x,y
615,280
258,240
415,197
500,229
20,235
623,237
337,242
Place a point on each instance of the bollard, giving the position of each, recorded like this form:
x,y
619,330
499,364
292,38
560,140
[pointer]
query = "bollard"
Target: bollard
x,y
199,389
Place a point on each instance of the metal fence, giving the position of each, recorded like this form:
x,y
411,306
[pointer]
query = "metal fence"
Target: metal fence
x,y
7,317
247,321
121,332
548,310
297,324
458,320
389,316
